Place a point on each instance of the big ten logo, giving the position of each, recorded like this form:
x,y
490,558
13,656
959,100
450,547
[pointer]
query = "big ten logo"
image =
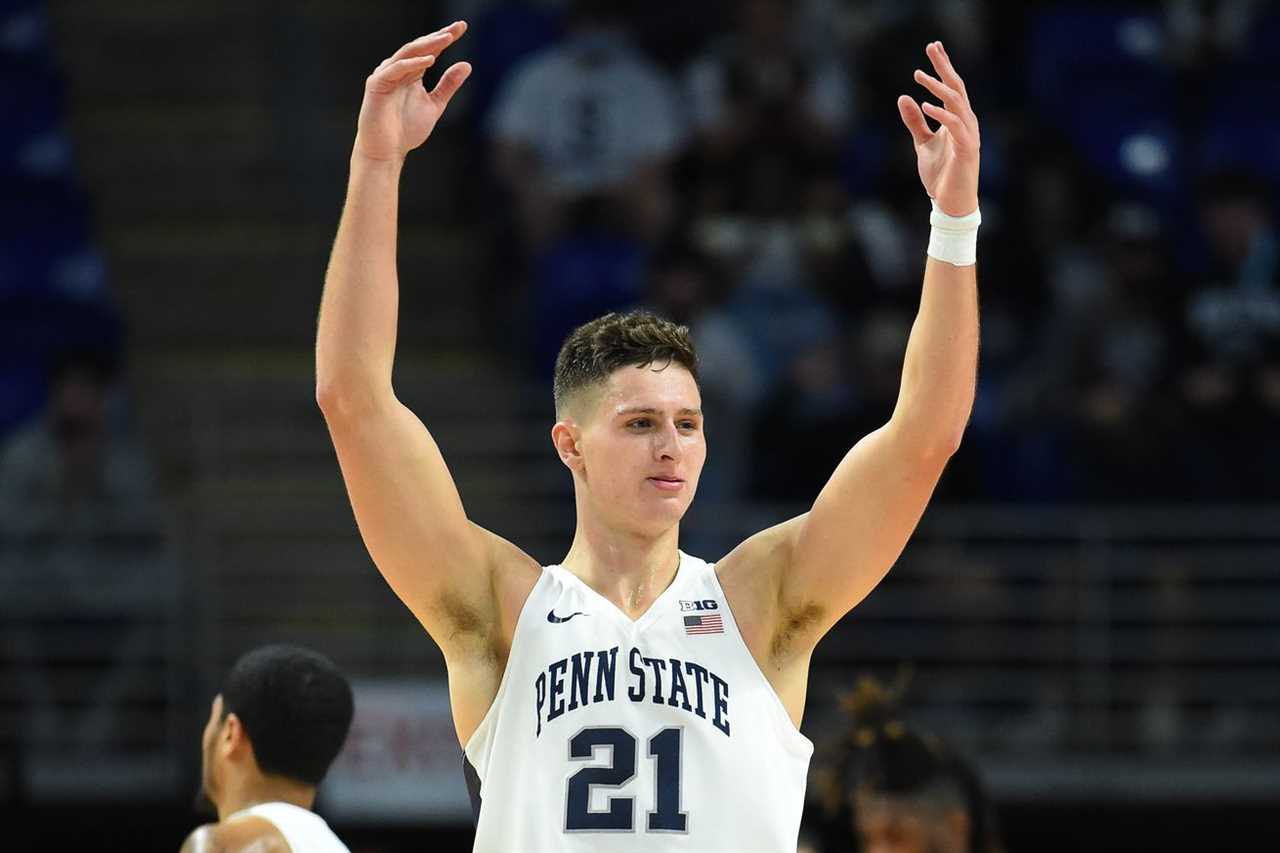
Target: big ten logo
x,y
704,604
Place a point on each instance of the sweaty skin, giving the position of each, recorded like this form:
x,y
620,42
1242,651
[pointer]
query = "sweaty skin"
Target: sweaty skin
x,y
787,586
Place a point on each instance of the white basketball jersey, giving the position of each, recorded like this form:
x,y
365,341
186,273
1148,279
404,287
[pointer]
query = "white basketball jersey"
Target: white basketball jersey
x,y
305,830
662,733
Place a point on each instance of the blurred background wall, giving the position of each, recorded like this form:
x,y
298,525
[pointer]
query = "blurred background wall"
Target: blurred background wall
x,y
1089,610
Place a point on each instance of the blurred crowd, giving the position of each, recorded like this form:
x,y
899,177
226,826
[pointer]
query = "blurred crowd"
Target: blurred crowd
x,y
741,167
82,529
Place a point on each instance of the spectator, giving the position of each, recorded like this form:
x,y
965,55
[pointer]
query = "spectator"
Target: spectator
x,y
1120,359
75,460
888,788
1230,382
583,133
81,541
768,115
817,401
1208,34
501,34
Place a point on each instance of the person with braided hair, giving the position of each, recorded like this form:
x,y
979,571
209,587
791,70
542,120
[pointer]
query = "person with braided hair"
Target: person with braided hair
x,y
894,790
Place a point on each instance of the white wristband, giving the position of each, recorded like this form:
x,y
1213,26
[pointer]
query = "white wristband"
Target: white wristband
x,y
954,239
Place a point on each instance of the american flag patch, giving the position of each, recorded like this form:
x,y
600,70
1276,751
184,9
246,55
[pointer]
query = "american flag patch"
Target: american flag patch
x,y
710,624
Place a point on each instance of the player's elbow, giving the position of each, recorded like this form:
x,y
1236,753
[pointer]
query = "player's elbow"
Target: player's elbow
x,y
329,396
945,442
929,444
948,442
340,400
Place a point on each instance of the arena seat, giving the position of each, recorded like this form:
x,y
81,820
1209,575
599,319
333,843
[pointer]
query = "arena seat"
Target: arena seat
x,y
1072,48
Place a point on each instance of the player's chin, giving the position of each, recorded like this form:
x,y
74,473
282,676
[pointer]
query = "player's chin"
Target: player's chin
x,y
665,510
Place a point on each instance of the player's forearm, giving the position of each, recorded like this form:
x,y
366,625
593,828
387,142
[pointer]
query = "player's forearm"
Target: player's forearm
x,y
939,373
356,335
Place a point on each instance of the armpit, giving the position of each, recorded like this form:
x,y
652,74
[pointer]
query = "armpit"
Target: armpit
x,y
795,630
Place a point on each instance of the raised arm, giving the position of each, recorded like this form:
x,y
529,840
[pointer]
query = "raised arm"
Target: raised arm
x,y
405,502
810,571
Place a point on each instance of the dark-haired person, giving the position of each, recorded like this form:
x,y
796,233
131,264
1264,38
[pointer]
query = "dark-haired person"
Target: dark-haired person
x,y
909,794
274,729
888,789
632,696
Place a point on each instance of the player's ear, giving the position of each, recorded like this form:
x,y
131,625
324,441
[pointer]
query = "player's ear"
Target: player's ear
x,y
233,738
565,435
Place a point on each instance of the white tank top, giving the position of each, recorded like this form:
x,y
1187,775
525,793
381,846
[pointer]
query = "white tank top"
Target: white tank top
x,y
658,734
305,831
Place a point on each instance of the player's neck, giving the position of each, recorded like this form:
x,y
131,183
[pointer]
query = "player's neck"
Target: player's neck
x,y
628,570
265,789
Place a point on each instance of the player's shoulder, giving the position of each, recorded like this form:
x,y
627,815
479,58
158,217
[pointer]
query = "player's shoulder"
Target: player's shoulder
x,y
761,554
250,834
512,567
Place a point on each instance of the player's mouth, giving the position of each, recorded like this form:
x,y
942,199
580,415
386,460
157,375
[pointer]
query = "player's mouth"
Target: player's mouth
x,y
667,484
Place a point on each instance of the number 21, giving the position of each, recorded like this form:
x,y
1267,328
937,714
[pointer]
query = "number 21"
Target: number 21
x,y
619,816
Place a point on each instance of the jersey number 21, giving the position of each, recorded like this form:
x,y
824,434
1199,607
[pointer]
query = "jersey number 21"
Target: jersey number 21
x,y
619,816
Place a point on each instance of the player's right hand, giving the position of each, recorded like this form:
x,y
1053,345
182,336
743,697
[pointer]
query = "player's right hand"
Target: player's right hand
x,y
398,112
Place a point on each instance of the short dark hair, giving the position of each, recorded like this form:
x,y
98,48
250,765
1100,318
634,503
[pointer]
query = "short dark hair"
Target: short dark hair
x,y
594,350
295,706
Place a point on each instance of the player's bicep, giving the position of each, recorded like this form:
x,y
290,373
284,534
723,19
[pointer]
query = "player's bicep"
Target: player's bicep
x,y
412,519
858,526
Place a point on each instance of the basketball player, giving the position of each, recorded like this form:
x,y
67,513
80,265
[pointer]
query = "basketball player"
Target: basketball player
x,y
273,731
889,789
632,696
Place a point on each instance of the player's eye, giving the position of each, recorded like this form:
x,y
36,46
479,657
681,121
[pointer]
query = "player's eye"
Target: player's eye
x,y
642,423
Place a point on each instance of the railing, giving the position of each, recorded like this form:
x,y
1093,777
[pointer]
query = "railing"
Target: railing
x,y
1087,652
1070,651
1076,652
93,656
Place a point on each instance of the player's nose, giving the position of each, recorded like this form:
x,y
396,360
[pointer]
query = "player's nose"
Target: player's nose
x,y
666,444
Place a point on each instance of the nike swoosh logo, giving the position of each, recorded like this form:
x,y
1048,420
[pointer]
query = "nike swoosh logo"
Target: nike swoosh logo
x,y
556,620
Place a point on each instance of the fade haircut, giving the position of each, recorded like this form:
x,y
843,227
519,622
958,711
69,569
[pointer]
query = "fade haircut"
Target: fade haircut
x,y
295,706
594,350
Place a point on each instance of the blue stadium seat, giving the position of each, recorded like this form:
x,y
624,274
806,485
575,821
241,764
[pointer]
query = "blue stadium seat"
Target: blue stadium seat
x,y
24,34
34,328
31,209
578,279
50,263
1072,49
33,142
1133,142
1242,129
1260,52
500,37
52,280
1249,145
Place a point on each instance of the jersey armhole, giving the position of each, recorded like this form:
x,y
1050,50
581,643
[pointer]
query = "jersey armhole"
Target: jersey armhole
x,y
482,729
800,742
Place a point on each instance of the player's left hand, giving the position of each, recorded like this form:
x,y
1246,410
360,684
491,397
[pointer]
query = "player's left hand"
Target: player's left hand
x,y
948,157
